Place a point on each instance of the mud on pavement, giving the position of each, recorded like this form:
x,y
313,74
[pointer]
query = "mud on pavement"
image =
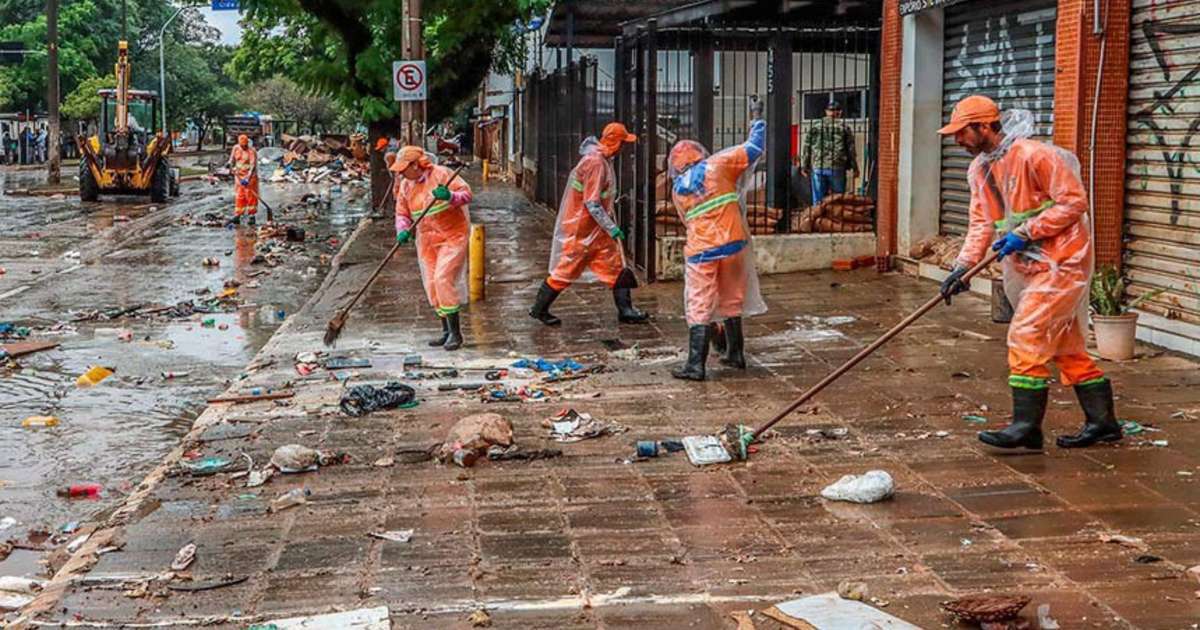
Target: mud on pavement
x,y
600,538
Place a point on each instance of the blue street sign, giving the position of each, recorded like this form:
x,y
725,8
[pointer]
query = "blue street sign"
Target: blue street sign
x,y
225,5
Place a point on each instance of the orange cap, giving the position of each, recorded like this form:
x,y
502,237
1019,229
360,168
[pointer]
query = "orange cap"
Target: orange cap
x,y
614,134
408,155
972,109
381,144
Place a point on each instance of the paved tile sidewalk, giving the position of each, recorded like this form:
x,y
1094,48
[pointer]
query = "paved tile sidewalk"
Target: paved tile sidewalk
x,y
588,541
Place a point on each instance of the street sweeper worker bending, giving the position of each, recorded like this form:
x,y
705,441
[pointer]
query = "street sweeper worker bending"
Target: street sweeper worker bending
x,y
1028,203
720,281
442,234
586,245
243,160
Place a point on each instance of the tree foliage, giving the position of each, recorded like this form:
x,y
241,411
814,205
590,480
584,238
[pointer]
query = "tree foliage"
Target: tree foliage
x,y
348,47
285,99
84,102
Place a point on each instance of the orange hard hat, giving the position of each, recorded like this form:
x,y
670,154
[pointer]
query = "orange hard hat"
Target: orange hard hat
x,y
408,155
614,134
972,109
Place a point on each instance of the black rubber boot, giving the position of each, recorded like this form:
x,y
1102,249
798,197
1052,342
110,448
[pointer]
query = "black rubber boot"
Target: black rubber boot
x,y
626,314
237,220
734,354
454,339
1100,423
1029,407
716,333
252,221
441,341
693,370
541,305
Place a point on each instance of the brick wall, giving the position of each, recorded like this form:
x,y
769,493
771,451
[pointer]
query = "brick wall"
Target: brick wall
x,y
889,133
1078,57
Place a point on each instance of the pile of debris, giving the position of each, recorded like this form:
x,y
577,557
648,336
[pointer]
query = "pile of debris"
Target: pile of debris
x,y
308,159
837,213
943,252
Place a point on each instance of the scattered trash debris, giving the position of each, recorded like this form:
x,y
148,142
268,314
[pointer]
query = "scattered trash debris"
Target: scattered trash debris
x,y
837,433
986,608
471,436
569,425
704,450
296,458
1160,443
342,363
257,478
206,466
396,535
646,448
1045,621
874,486
210,262
1126,541
1131,427
974,419
364,399
1147,559
237,400
516,453
829,611
499,393
7,522
1194,572
80,490
93,376
856,591
16,592
549,367
480,619
361,619
291,498
33,422
184,558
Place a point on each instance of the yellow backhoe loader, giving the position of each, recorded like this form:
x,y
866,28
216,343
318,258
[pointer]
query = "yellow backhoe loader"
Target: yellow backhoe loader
x,y
127,155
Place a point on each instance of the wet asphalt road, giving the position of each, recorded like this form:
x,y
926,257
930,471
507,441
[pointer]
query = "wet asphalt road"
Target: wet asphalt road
x,y
61,258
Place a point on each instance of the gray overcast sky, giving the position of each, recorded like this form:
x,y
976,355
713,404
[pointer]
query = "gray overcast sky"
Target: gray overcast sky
x,y
226,21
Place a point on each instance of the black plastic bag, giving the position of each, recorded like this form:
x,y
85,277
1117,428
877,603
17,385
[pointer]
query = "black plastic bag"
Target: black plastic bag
x,y
363,399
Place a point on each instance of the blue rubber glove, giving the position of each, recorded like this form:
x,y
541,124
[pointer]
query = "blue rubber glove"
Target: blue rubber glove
x,y
441,193
1010,244
617,234
404,236
245,182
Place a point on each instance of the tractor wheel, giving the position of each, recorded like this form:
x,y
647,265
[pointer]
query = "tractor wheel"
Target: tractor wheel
x,y
89,190
160,184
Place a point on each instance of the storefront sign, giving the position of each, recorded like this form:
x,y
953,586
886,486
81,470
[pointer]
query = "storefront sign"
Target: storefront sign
x,y
916,6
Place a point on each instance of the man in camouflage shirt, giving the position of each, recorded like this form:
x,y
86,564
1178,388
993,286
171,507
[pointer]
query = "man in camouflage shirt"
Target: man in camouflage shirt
x,y
828,153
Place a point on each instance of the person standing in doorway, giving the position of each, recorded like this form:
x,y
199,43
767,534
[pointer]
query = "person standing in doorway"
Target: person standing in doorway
x,y
828,153
1027,196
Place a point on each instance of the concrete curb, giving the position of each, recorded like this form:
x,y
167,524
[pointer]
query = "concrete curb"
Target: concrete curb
x,y
102,535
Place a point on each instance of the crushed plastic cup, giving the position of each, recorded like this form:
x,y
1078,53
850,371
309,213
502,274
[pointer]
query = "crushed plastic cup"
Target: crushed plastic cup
x,y
33,422
291,498
93,376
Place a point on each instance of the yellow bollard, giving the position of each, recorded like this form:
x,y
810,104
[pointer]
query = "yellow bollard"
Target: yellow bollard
x,y
485,171
478,266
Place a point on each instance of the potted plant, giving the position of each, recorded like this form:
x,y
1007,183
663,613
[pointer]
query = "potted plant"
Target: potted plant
x,y
1112,320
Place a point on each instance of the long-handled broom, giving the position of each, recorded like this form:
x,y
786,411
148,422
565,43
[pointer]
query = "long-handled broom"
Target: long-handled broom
x,y
736,438
334,328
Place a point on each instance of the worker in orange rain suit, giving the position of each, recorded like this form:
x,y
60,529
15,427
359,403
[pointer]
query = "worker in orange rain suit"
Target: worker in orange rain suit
x,y
244,161
720,282
1029,194
442,234
586,246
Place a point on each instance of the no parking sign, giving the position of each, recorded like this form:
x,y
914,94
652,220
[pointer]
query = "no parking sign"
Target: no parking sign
x,y
408,80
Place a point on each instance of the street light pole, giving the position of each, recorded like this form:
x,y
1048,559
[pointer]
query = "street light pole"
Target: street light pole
x,y
162,68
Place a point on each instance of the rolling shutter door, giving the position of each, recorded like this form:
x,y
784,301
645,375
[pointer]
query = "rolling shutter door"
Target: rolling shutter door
x,y
1004,50
1162,189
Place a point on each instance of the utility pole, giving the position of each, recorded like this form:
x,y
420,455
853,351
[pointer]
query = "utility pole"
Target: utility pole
x,y
413,113
53,176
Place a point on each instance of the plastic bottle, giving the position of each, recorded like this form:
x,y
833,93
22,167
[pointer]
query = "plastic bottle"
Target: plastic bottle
x,y
80,490
291,498
39,421
94,375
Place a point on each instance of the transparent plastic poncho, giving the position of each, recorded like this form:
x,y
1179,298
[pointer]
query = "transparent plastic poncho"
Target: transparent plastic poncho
x,y
578,234
1035,189
442,237
704,189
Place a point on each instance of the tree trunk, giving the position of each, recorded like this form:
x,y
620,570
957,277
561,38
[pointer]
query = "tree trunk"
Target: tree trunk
x,y
202,126
380,178
53,142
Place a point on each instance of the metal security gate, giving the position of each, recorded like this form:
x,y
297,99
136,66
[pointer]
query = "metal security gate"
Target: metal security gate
x,y
1162,190
1006,51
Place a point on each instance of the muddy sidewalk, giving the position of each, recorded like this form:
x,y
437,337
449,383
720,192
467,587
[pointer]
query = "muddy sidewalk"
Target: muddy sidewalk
x,y
598,538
